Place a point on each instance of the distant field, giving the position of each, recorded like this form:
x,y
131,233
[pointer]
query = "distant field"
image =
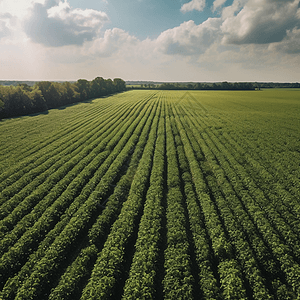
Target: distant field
x,y
153,194
133,85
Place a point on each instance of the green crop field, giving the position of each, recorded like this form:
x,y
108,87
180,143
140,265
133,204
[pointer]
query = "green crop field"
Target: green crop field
x,y
153,195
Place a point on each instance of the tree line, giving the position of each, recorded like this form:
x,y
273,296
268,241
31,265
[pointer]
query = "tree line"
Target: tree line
x,y
213,86
24,99
199,86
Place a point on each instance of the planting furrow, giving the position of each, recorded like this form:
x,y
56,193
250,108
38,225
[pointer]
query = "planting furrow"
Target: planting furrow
x,y
142,279
231,281
178,281
203,253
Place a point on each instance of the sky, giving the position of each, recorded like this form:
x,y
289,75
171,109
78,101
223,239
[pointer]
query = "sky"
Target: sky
x,y
151,40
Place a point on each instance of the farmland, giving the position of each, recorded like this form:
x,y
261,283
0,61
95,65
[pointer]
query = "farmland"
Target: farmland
x,y
153,194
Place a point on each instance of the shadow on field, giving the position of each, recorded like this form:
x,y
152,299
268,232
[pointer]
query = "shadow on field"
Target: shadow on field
x,y
45,112
75,103
89,101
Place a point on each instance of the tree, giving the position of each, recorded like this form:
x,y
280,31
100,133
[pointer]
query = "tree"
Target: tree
x,y
83,88
226,86
98,87
167,86
24,99
50,93
120,84
38,101
25,87
110,88
17,102
198,86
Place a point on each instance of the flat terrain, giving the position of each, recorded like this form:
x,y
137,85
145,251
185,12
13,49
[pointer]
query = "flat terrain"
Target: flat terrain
x,y
153,194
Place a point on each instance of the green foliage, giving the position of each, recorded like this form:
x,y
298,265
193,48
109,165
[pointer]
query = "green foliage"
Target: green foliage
x,y
24,99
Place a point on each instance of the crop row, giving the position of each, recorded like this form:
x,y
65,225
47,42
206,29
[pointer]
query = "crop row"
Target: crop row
x,y
142,279
178,281
203,253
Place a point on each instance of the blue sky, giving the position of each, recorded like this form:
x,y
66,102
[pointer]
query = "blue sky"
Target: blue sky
x,y
170,40
146,18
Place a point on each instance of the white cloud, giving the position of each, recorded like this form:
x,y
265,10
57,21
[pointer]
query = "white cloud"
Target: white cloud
x,y
232,10
261,22
5,22
252,40
114,43
217,4
86,19
189,38
57,24
17,8
113,40
290,44
193,5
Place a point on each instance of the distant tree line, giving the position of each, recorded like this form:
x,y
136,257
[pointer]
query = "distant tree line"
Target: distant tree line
x,y
199,86
24,99
215,86
268,85
17,82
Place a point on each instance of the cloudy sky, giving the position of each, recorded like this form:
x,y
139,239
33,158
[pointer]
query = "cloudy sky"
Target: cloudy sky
x,y
169,40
